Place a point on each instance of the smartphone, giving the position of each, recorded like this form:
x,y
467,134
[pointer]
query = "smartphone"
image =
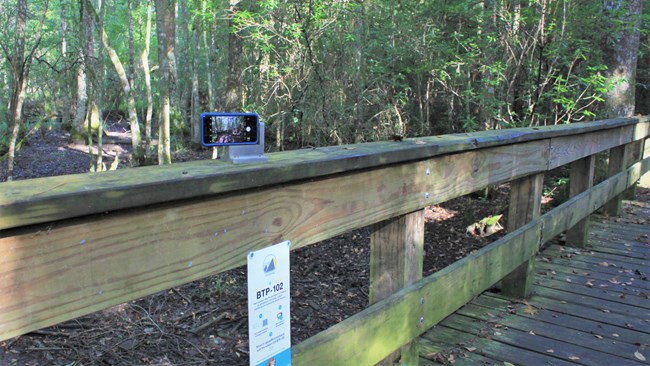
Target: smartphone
x,y
224,129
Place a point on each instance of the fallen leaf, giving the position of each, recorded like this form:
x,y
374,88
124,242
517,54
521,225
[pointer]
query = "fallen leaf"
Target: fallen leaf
x,y
420,142
530,310
507,364
639,356
550,351
604,310
598,336
603,264
574,358
615,335
568,280
614,280
532,333
470,349
643,295
589,284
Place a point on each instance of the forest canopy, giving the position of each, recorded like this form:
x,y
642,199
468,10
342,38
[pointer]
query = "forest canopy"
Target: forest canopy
x,y
318,72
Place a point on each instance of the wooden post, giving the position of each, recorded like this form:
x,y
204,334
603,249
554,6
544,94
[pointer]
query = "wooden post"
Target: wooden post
x,y
634,155
617,163
396,259
581,179
525,205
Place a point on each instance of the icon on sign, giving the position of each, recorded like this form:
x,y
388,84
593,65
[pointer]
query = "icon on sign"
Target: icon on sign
x,y
279,316
269,264
265,322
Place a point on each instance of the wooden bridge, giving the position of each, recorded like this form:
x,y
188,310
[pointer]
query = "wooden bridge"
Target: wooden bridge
x,y
73,245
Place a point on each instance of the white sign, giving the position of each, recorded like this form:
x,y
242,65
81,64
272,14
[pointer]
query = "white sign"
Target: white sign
x,y
269,317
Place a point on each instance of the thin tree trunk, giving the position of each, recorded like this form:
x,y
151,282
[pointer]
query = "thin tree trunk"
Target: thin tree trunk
x,y
233,78
131,60
20,65
65,98
147,78
195,106
165,30
208,50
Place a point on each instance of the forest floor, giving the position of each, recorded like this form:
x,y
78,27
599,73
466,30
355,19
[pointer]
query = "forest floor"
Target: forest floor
x,y
205,322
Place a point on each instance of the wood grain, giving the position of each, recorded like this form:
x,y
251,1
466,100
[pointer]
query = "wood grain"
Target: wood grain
x,y
59,271
55,198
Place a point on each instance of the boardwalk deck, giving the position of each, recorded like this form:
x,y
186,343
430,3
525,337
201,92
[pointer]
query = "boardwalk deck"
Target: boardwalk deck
x,y
589,307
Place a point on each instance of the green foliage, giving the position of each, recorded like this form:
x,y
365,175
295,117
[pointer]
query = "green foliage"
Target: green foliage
x,y
336,71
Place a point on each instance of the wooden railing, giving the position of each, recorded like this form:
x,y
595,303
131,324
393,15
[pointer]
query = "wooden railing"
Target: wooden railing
x,y
72,245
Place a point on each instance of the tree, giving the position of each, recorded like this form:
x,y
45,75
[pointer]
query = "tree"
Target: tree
x,y
621,53
126,85
165,15
21,63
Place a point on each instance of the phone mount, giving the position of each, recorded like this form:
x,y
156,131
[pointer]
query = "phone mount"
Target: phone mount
x,y
243,154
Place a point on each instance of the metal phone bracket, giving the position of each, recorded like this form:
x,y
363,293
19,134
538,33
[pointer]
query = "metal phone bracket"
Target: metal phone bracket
x,y
243,154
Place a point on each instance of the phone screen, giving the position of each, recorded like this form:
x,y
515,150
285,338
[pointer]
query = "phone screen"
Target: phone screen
x,y
229,128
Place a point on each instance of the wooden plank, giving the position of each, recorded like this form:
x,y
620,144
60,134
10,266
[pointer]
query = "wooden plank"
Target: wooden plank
x,y
396,259
409,312
567,149
55,198
581,179
535,343
579,288
490,348
609,332
577,307
592,259
579,273
126,255
525,206
635,317
549,330
429,348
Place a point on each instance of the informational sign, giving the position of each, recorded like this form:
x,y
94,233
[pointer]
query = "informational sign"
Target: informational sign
x,y
269,300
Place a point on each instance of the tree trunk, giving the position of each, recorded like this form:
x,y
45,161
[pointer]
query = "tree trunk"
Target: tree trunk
x,y
131,60
184,85
621,56
196,104
208,51
20,65
65,98
126,85
165,29
147,79
233,78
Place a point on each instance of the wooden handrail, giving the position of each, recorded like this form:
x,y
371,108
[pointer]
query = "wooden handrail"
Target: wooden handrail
x,y
55,198
76,244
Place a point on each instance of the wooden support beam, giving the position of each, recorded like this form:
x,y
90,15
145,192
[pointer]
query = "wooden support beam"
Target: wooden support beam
x,y
581,179
525,206
618,157
634,154
396,260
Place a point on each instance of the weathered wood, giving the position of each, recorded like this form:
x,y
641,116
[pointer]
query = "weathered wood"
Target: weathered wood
x,y
567,149
396,259
581,179
634,153
55,198
489,347
618,157
387,325
559,332
168,245
525,206
570,318
529,344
